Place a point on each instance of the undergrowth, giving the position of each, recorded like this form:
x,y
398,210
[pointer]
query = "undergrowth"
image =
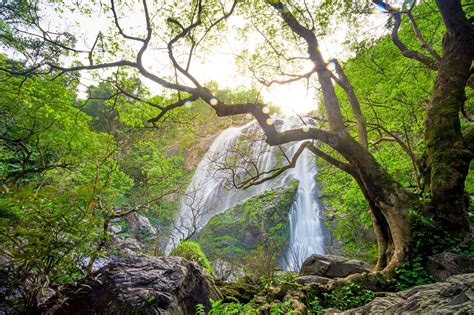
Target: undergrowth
x,y
428,239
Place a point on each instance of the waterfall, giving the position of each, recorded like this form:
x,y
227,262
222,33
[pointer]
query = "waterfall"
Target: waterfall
x,y
306,231
209,192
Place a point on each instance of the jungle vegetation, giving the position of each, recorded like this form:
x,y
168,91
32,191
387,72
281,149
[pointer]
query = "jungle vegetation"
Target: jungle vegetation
x,y
393,137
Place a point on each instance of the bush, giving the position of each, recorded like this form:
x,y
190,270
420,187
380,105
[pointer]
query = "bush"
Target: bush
x,y
219,307
348,296
410,274
192,251
429,238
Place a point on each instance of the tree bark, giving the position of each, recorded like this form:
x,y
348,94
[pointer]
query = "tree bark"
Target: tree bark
x,y
447,154
389,204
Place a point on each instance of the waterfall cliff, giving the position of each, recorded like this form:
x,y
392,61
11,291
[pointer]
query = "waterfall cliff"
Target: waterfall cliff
x,y
230,159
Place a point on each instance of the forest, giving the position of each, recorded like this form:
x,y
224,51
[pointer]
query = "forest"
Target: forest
x,y
236,157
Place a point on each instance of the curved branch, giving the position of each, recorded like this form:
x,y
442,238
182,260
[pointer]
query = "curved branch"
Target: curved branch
x,y
117,24
349,90
295,77
345,167
136,98
255,180
394,138
171,107
427,61
331,103
421,39
149,31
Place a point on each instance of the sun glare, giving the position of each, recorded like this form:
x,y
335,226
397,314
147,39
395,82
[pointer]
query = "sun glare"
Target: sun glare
x,y
219,64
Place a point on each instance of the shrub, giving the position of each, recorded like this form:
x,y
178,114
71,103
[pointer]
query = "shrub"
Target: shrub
x,y
219,307
410,274
192,251
348,296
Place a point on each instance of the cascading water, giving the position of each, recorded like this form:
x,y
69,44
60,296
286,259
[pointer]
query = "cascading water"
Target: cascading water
x,y
208,193
306,231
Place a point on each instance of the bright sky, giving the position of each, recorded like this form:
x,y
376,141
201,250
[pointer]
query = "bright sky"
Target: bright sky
x,y
221,64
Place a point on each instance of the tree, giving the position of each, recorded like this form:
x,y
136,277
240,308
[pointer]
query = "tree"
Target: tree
x,y
284,27
62,182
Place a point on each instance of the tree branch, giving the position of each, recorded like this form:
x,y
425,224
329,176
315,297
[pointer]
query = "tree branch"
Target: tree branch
x,y
427,61
331,103
349,90
117,24
345,167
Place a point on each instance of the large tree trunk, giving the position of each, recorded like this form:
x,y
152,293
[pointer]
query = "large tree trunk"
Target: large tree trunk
x,y
389,203
448,155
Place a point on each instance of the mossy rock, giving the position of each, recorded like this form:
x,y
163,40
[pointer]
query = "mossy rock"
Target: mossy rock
x,y
192,251
243,292
233,234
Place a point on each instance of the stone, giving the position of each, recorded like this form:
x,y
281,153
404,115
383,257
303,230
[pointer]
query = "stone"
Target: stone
x,y
444,265
312,280
128,243
138,285
243,292
115,229
140,226
453,296
332,266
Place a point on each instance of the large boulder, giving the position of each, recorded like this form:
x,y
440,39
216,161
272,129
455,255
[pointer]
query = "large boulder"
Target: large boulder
x,y
140,226
444,265
454,296
138,285
332,266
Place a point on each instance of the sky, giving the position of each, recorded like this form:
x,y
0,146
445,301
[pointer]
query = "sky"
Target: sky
x,y
220,62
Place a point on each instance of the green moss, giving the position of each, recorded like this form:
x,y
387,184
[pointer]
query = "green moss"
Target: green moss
x,y
243,292
234,234
192,251
123,225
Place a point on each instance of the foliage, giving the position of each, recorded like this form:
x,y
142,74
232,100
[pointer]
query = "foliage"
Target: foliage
x,y
411,273
62,176
53,171
277,300
192,251
200,309
428,239
280,278
219,307
383,80
68,165
346,214
315,307
348,296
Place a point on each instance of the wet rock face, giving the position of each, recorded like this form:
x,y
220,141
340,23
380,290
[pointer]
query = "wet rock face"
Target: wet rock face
x,y
138,285
331,266
444,265
454,296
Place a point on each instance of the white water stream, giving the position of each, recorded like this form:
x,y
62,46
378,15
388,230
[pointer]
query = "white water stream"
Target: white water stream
x,y
209,192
